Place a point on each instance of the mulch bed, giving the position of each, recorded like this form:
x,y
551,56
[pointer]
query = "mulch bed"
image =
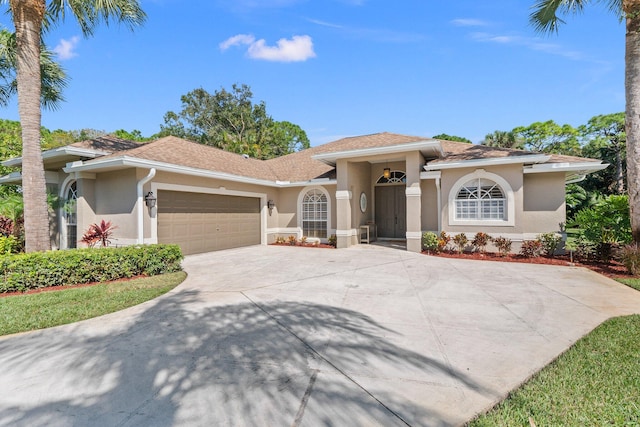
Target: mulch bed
x,y
306,245
613,270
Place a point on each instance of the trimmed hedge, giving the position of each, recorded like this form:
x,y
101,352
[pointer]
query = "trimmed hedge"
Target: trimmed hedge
x,y
22,272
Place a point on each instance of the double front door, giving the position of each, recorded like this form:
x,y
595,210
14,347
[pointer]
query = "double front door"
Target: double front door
x,y
391,211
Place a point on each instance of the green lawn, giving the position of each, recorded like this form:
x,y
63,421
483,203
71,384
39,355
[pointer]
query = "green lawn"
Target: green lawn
x,y
595,383
28,312
634,283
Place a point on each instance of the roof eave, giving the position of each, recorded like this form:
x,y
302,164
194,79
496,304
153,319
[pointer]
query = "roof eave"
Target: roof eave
x,y
424,146
494,161
59,152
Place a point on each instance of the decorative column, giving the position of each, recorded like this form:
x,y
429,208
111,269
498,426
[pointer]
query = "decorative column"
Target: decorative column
x,y
414,202
343,205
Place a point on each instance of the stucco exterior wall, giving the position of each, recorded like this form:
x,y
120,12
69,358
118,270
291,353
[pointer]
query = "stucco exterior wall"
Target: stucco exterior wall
x,y
115,201
429,205
544,202
287,220
514,177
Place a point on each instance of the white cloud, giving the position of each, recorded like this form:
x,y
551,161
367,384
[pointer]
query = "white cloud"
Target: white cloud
x,y
469,22
66,48
236,41
530,43
296,49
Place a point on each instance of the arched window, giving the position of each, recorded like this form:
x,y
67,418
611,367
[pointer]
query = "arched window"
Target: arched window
x,y
70,211
395,177
481,199
315,213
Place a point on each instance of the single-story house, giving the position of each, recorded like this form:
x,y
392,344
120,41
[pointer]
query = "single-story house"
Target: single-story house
x,y
204,199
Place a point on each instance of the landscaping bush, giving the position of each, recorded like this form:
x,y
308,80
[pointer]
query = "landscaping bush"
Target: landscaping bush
x,y
461,241
549,243
629,256
531,248
480,241
430,241
608,219
443,241
503,244
333,240
22,272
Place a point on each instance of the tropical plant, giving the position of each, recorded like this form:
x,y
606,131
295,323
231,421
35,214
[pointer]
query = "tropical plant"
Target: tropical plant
x,y
545,19
480,241
30,18
629,256
292,240
99,233
503,244
607,220
333,240
443,241
503,139
429,241
531,248
8,244
549,243
461,240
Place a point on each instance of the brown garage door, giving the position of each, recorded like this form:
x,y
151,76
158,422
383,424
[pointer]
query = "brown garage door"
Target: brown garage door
x,y
207,222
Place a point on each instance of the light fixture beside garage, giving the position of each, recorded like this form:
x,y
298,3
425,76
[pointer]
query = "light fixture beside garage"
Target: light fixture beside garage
x,y
150,200
271,204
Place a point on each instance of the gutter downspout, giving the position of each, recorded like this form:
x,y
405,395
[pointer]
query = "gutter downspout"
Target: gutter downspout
x,y
140,194
439,199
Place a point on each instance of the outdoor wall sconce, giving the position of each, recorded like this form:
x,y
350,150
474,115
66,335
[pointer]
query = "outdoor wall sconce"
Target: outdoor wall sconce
x,y
150,200
386,173
271,204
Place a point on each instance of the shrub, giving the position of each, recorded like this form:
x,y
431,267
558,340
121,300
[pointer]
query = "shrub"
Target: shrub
x,y
22,272
303,240
461,241
585,249
443,241
480,241
333,240
503,244
549,243
280,240
429,241
607,221
6,226
8,244
531,248
629,256
292,240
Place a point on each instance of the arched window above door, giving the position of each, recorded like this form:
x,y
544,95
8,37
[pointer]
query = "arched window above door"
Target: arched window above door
x,y
395,177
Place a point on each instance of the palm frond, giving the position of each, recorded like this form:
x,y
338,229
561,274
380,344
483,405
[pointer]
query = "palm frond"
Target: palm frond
x,y
90,13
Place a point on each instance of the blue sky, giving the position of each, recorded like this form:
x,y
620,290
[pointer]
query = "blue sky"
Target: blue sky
x,y
345,67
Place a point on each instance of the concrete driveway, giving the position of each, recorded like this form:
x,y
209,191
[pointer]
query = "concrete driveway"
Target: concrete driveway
x,y
280,336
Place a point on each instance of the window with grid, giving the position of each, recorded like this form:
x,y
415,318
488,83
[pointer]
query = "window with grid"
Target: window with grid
x,y
481,199
314,214
70,212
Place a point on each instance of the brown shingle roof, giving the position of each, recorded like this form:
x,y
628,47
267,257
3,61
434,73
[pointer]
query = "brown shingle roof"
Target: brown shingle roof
x,y
107,143
181,152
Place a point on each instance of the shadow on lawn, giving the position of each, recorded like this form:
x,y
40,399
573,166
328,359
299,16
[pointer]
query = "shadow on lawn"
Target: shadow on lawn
x,y
183,364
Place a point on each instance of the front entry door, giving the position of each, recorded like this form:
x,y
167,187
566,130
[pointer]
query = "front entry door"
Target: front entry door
x,y
391,211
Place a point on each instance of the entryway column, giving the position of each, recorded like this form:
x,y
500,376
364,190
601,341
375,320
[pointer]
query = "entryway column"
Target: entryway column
x,y
414,202
343,205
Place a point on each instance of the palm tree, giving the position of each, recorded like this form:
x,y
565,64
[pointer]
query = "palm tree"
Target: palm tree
x,y
30,18
545,19
503,139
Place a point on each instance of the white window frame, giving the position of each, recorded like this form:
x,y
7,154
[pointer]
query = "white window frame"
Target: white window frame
x,y
507,191
301,196
64,235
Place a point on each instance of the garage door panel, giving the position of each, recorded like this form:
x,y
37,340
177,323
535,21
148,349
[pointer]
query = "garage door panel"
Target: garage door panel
x,y
207,222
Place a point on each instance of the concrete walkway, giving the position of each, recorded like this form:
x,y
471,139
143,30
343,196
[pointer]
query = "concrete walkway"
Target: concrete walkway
x,y
280,336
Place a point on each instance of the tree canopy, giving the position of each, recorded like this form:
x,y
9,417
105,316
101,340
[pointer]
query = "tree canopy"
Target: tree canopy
x,y
231,121
447,137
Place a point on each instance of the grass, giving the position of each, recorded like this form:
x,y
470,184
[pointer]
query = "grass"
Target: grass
x,y
21,313
631,282
596,382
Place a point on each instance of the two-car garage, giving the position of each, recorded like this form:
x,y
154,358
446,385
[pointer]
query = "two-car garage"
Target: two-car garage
x,y
200,222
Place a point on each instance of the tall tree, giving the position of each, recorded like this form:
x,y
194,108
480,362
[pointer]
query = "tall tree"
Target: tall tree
x,y
447,137
545,19
503,139
605,139
549,137
229,120
30,17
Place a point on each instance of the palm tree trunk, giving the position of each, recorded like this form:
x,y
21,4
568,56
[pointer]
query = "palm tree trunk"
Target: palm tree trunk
x,y
28,17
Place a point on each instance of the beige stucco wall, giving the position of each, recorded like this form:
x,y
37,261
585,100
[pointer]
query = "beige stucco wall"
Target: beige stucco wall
x,y
511,173
288,200
544,202
115,201
429,205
